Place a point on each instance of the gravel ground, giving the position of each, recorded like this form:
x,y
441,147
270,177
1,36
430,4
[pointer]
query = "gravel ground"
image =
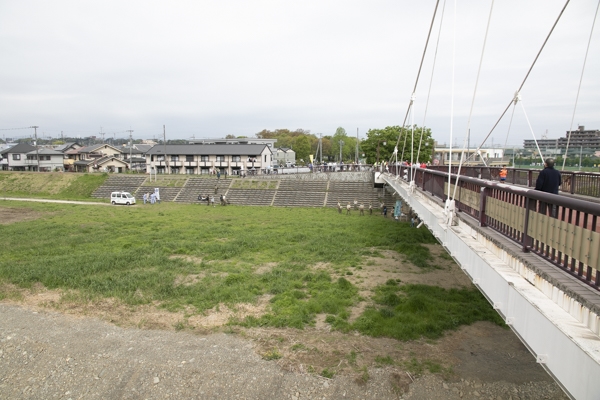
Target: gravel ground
x,y
48,355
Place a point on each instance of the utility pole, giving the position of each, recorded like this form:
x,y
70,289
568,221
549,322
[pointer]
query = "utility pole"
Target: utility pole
x,y
165,148
341,142
37,153
321,148
130,146
356,146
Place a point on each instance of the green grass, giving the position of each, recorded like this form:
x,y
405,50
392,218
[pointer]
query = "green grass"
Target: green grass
x,y
83,187
413,311
126,253
64,186
417,367
328,373
384,360
253,184
272,354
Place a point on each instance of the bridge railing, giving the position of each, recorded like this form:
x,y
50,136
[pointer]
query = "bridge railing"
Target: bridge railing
x,y
573,182
563,230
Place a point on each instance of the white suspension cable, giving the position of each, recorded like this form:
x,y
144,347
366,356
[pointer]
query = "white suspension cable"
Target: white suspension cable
x,y
579,87
462,154
420,67
532,134
449,204
451,105
526,75
437,45
510,124
412,144
402,129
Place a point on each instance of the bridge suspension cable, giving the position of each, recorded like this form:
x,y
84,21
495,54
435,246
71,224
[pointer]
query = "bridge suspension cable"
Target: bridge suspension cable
x,y
528,72
437,45
487,29
579,87
418,73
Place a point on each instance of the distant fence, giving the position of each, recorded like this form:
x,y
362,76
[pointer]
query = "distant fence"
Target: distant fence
x,y
580,183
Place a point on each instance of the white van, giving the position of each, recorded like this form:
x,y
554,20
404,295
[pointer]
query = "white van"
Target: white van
x,y
122,198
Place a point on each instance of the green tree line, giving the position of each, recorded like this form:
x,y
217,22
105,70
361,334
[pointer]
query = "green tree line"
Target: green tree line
x,y
382,141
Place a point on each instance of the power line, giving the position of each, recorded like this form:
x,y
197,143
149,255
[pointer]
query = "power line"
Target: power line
x,y
14,129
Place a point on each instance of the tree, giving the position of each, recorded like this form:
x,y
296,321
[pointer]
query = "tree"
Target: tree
x,y
328,153
390,135
340,138
302,148
340,132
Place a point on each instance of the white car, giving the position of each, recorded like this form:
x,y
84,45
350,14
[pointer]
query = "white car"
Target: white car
x,y
122,198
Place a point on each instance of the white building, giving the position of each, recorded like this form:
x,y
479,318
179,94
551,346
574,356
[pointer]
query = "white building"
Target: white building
x,y
285,156
16,158
441,155
47,160
197,159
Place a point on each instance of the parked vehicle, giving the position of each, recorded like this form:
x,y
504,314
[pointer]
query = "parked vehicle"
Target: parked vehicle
x,y
122,198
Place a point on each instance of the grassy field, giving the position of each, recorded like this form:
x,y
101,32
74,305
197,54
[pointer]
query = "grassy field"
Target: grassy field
x,y
193,258
52,185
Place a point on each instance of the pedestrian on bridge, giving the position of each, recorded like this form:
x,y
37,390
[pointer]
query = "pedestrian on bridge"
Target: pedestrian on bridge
x,y
503,173
548,181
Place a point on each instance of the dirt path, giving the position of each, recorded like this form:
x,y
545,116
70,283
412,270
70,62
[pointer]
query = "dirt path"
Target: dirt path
x,y
52,348
45,354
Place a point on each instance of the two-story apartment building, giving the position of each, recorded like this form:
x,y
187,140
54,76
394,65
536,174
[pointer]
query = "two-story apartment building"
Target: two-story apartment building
x,y
197,159
44,160
98,158
16,158
285,156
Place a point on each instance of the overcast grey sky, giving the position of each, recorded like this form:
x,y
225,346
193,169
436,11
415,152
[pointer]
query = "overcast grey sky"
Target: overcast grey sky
x,y
212,68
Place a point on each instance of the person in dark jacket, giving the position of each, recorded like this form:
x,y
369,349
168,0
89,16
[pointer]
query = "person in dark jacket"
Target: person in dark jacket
x,y
548,181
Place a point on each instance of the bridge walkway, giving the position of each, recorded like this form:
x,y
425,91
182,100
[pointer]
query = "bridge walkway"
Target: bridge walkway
x,y
555,311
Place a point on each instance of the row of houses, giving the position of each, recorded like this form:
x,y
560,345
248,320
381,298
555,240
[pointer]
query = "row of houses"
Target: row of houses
x,y
199,158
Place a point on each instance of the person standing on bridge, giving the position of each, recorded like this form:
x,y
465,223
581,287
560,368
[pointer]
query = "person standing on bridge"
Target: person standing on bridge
x,y
548,181
503,173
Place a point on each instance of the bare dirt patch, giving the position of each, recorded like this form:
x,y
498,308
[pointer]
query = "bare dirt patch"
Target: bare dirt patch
x,y
481,352
9,215
190,259
188,280
321,266
265,268
222,314
390,265
148,316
